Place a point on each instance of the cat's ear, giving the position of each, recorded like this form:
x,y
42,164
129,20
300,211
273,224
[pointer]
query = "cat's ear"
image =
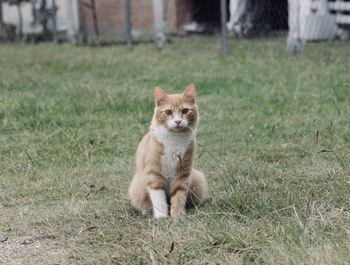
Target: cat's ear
x,y
160,95
190,93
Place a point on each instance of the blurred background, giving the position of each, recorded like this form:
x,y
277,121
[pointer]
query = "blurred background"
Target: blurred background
x,y
109,22
274,136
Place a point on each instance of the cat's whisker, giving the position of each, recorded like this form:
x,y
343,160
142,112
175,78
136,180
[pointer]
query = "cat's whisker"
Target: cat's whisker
x,y
188,127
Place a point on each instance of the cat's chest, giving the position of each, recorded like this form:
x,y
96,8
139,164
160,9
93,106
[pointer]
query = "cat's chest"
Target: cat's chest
x,y
172,157
174,149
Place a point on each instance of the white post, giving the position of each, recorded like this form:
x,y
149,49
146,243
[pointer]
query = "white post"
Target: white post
x,y
159,22
237,9
293,40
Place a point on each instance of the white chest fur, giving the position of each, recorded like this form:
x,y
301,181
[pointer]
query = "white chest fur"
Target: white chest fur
x,y
175,146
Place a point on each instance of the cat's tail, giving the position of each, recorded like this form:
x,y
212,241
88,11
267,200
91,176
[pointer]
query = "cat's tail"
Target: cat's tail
x,y
199,189
138,194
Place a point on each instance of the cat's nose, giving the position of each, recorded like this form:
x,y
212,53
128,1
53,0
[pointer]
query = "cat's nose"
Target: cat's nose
x,y
178,122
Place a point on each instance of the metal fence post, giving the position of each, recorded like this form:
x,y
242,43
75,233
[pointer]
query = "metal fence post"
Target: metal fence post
x,y
1,17
128,23
83,30
224,33
54,21
94,18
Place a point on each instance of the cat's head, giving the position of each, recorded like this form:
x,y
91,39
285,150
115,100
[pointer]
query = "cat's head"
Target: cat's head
x,y
176,112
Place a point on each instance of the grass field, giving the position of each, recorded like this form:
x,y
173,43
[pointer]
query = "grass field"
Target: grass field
x,y
274,142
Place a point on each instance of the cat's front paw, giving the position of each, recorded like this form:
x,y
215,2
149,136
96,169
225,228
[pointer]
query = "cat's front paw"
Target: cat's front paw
x,y
177,212
159,215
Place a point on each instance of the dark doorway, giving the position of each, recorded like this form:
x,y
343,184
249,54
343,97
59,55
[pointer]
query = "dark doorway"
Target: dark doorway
x,y
207,12
265,15
277,14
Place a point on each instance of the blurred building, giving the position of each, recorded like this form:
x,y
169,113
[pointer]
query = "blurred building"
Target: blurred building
x,y
67,12
314,19
110,15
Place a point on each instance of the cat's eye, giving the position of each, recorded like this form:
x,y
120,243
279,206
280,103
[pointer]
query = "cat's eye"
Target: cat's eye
x,y
168,112
185,111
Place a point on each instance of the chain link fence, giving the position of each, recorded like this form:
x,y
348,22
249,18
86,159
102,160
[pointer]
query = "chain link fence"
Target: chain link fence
x,y
104,22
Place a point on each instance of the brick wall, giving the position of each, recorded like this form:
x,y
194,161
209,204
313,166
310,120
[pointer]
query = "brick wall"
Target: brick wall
x,y
111,15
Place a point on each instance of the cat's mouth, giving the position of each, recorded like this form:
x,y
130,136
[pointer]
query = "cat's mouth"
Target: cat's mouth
x,y
180,128
177,129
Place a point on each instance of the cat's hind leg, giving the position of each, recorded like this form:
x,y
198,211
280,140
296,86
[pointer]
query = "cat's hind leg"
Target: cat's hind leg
x,y
139,196
199,189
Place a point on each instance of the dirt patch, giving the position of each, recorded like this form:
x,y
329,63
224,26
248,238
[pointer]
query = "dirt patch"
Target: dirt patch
x,y
33,250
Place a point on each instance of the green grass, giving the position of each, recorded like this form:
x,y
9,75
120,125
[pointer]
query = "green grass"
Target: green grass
x,y
274,141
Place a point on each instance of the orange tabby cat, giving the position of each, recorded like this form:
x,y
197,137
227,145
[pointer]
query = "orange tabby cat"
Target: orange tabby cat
x,y
164,158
